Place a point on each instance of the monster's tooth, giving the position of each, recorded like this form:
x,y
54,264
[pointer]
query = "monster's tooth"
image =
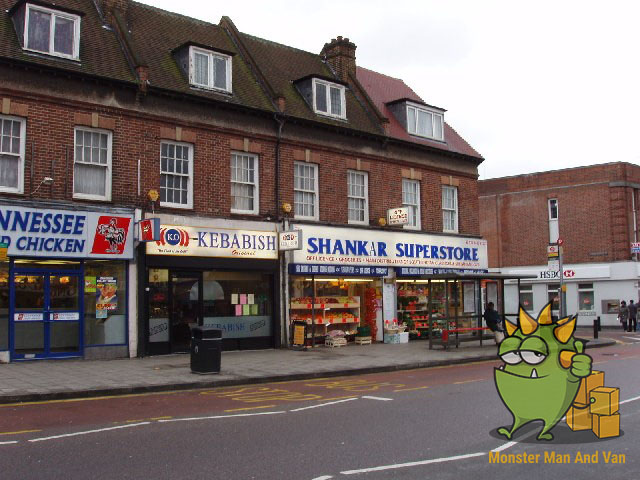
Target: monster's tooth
x,y
534,374
501,367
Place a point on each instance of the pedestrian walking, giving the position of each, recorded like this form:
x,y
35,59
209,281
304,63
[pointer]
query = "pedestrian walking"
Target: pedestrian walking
x,y
623,314
492,318
633,314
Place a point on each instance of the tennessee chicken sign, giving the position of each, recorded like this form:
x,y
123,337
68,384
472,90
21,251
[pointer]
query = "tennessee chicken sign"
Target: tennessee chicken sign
x,y
111,235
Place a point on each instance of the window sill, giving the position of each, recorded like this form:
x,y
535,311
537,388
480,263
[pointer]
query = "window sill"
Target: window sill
x,y
300,217
353,222
424,137
329,116
203,88
86,196
450,231
244,212
17,191
416,228
176,205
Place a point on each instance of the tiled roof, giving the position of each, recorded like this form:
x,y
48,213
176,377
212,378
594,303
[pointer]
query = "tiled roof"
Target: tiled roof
x,y
156,33
100,51
281,65
383,89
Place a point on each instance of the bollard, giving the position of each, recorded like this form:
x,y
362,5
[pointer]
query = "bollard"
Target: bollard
x,y
599,325
596,321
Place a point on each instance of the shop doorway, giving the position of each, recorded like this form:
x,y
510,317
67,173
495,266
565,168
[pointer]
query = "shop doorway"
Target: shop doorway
x,y
175,307
46,307
186,308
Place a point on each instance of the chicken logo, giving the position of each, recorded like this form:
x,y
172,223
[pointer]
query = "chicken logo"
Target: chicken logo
x,y
111,235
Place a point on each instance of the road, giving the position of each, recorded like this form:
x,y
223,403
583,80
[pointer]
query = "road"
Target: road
x,y
430,423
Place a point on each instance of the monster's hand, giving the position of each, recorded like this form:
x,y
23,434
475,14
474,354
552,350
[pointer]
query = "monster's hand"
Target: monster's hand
x,y
580,363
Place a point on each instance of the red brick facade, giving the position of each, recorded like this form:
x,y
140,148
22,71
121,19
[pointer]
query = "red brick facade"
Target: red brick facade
x,y
595,206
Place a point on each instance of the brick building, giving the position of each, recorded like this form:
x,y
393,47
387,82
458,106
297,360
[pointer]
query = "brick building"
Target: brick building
x,y
592,209
114,111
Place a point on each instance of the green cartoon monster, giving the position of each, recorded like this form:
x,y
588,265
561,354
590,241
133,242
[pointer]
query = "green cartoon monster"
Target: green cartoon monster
x,y
543,367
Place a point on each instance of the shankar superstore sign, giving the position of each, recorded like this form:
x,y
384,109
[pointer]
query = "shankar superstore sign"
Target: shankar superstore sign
x,y
214,242
423,252
29,232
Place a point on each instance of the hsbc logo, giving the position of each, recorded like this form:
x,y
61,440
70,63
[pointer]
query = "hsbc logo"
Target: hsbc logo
x,y
569,274
174,237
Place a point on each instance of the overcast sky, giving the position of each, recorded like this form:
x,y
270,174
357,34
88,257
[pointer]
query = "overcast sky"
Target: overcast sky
x,y
532,86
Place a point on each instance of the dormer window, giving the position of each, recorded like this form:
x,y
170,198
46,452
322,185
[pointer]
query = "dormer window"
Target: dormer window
x,y
329,98
52,32
209,69
425,122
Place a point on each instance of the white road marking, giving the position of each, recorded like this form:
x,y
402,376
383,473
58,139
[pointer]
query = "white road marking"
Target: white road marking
x,y
219,416
629,400
377,398
324,477
88,431
504,447
413,464
9,443
635,339
324,404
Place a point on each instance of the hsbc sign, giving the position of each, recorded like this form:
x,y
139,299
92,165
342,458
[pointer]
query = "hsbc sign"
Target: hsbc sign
x,y
555,274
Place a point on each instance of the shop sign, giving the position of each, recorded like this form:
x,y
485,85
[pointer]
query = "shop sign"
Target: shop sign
x,y
306,269
241,327
63,233
635,247
214,242
398,216
413,271
28,317
349,246
65,316
290,240
587,313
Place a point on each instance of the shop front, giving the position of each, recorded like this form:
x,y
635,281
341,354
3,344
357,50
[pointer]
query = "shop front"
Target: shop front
x,y
63,283
345,278
213,277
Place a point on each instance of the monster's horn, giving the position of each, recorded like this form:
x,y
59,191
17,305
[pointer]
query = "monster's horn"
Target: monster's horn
x,y
565,329
510,327
545,315
528,325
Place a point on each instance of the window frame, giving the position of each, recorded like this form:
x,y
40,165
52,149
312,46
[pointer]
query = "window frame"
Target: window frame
x,y
211,84
526,289
365,175
69,16
191,148
329,86
21,154
586,288
108,180
549,209
418,225
316,192
445,210
431,111
256,184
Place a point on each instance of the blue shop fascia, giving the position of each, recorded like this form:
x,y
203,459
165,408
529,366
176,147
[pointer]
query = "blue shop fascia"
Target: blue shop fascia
x,y
64,280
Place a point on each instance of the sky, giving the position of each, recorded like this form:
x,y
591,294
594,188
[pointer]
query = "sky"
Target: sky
x,y
532,86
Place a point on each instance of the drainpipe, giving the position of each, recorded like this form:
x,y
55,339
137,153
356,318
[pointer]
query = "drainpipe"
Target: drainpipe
x,y
635,220
284,293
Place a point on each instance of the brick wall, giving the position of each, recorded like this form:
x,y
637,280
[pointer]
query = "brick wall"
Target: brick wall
x,y
594,214
137,137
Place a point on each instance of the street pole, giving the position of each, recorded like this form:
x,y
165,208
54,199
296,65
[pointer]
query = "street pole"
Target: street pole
x,y
561,300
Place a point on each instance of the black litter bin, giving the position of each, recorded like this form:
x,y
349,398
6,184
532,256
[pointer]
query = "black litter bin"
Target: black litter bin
x,y
206,350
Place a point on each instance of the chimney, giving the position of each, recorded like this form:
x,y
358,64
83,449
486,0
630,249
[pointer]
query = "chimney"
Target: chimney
x,y
341,55
109,7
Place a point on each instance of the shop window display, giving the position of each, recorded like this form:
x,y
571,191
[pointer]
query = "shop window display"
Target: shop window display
x,y
239,303
105,302
339,307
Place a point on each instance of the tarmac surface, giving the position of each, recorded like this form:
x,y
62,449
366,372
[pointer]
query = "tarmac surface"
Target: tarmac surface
x,y
73,378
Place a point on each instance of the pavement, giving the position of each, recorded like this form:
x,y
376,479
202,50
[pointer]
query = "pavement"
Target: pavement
x,y
73,378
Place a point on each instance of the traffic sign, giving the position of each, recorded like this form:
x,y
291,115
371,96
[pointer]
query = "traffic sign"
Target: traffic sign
x,y
560,241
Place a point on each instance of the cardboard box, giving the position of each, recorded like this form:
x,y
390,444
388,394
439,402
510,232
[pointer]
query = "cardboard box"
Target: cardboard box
x,y
391,338
579,419
595,380
604,400
605,426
